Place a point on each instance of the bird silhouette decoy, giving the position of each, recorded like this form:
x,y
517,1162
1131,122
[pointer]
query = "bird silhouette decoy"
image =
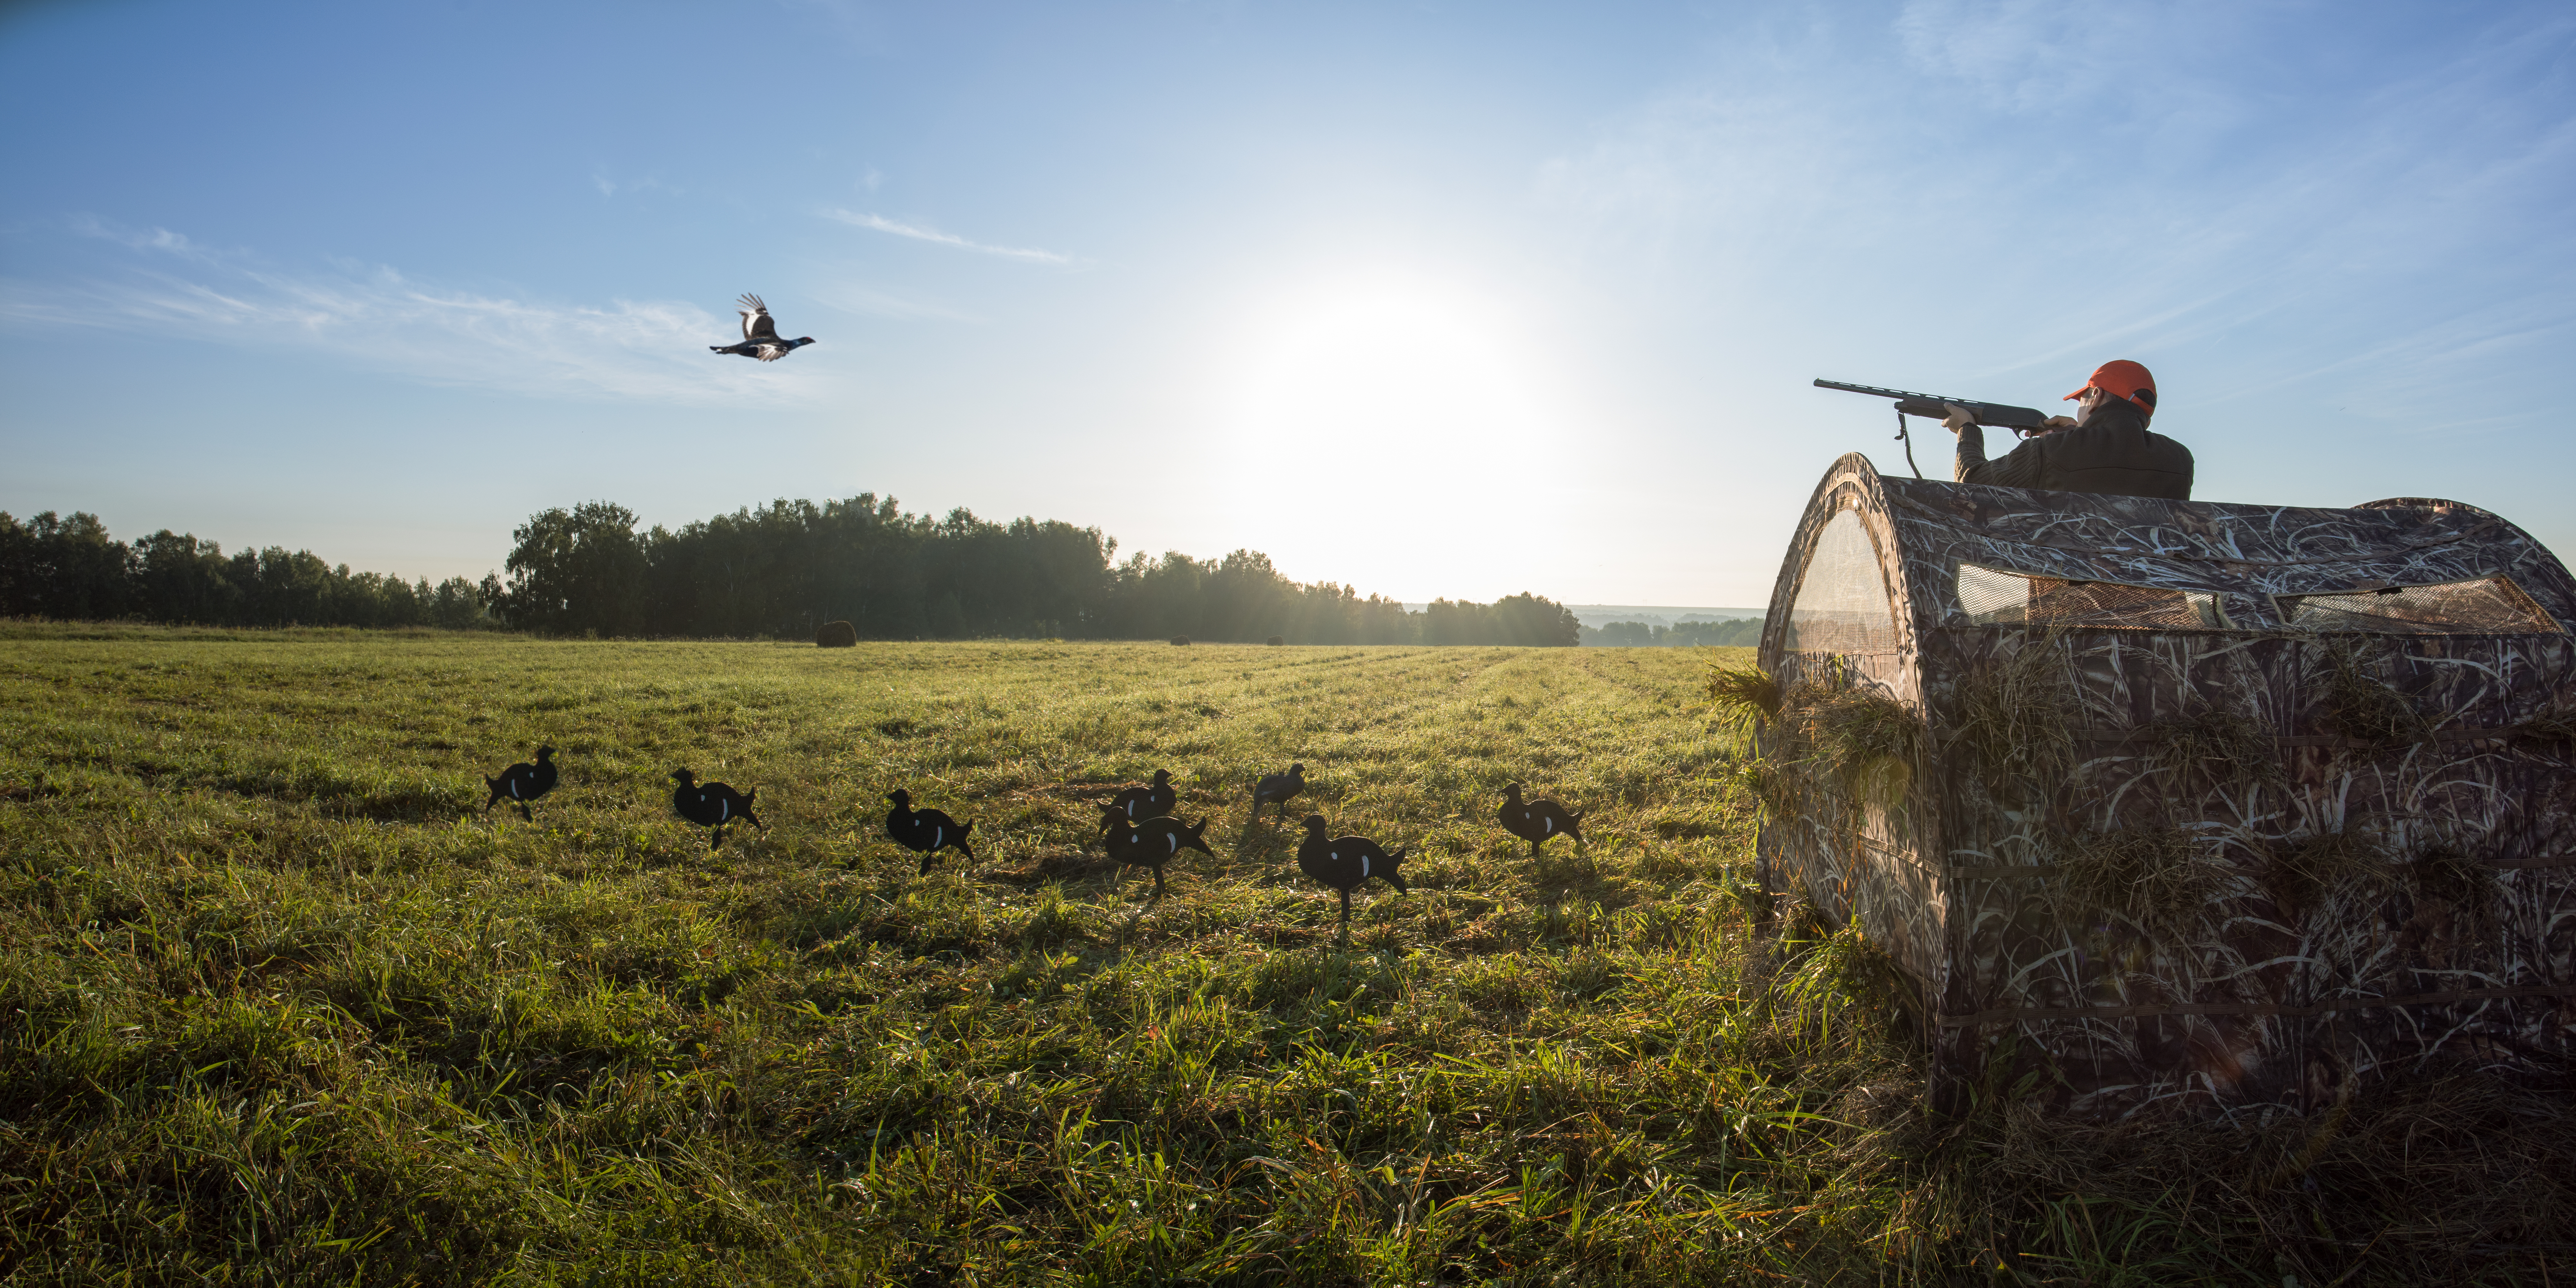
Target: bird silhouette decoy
x,y
1344,862
1278,788
1538,820
523,782
712,805
760,334
1152,843
925,832
1137,804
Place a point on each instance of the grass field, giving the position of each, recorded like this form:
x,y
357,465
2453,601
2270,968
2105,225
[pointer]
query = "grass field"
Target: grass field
x,y
281,1004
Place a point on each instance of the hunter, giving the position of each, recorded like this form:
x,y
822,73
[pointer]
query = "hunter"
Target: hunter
x,y
2105,447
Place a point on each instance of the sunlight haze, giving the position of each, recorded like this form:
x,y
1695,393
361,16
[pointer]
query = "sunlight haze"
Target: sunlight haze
x,y
1442,301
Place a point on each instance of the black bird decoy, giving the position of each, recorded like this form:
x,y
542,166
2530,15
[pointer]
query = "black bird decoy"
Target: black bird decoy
x,y
1136,804
925,831
1538,820
1344,862
713,805
1152,843
523,782
1278,787
760,335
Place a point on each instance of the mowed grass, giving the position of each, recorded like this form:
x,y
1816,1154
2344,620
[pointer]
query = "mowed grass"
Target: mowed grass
x,y
281,1003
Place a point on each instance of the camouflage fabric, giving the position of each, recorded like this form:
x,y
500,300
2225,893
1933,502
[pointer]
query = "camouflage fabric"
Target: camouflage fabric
x,y
2215,805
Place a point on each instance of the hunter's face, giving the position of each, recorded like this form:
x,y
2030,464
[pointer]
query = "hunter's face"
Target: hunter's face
x,y
2084,406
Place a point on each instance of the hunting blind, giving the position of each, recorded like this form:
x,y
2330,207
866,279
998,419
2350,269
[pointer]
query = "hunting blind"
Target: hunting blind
x,y
2179,804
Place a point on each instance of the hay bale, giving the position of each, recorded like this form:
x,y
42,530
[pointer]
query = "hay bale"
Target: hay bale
x,y
1180,640
837,635
1276,640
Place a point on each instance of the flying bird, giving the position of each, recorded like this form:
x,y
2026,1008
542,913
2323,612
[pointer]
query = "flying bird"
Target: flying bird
x,y
760,335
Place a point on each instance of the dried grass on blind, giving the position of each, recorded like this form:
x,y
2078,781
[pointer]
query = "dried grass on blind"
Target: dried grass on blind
x,y
2362,706
2156,878
2303,872
2214,745
1743,697
2557,725
2446,1176
1866,740
2445,873
2018,716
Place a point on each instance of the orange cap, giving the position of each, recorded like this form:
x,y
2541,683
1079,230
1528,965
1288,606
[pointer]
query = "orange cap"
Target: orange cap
x,y
2122,378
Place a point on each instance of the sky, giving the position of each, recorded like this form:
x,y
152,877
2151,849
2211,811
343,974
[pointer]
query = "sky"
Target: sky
x,y
1433,299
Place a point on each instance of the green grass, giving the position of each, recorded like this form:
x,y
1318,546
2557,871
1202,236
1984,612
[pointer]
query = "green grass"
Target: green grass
x,y
281,1004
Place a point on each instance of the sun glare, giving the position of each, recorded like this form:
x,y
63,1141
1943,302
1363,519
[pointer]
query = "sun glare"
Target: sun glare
x,y
1389,422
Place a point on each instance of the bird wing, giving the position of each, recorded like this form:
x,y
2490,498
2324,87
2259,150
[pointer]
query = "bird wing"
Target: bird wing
x,y
756,324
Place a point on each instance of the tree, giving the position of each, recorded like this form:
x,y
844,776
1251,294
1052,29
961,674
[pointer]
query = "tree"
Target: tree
x,y
577,571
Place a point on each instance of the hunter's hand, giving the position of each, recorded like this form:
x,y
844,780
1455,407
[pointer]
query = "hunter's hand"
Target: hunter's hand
x,y
1958,419
2055,422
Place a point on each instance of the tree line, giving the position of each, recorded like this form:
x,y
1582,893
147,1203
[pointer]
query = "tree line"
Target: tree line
x,y
779,570
1735,632
71,569
786,568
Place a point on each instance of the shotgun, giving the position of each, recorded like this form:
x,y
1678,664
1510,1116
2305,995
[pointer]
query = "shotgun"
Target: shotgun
x,y
2021,420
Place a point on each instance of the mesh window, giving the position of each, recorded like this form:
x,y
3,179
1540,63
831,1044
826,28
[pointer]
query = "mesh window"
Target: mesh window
x,y
1994,597
2491,606
1842,605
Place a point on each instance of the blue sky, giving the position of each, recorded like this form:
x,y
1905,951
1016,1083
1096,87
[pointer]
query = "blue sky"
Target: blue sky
x,y
1435,299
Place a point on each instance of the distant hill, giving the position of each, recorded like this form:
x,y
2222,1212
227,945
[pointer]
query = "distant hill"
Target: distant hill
x,y
1657,614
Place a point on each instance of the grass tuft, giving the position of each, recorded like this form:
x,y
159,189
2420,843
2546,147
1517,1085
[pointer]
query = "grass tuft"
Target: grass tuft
x,y
2304,871
2018,716
1865,739
2364,707
1743,695
2215,745
2157,878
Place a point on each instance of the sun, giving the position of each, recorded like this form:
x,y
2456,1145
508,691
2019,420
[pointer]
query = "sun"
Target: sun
x,y
1384,411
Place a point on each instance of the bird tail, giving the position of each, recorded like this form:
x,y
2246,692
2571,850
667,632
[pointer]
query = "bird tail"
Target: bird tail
x,y
962,847
1196,836
1393,877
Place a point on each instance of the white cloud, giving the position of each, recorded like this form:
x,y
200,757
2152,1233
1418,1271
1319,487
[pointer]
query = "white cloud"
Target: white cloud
x,y
384,319
874,303
884,225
